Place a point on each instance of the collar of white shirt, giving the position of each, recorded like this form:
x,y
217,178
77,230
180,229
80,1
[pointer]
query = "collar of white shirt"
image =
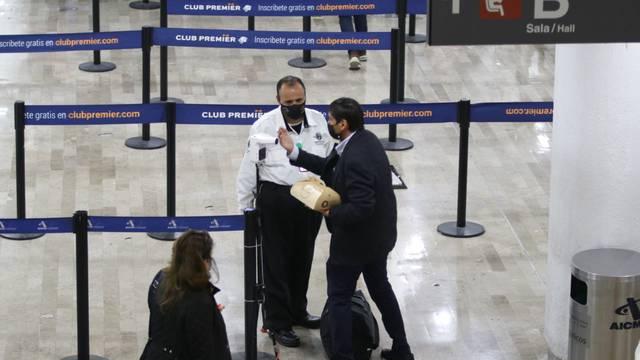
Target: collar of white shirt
x,y
343,144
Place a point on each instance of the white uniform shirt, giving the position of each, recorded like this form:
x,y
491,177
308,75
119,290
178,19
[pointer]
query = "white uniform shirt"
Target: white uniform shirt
x,y
275,168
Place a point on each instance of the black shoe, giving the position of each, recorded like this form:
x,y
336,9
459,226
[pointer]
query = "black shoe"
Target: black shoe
x,y
309,321
388,354
286,338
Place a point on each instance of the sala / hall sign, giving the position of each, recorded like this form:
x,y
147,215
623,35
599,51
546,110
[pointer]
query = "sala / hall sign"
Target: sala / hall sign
x,y
484,22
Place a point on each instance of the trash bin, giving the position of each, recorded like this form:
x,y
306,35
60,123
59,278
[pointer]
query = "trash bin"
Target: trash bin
x,y
605,305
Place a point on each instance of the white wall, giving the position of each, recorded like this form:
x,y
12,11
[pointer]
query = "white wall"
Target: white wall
x,y
595,169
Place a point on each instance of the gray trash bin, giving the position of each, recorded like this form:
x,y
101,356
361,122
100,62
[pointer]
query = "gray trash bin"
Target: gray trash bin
x,y
605,305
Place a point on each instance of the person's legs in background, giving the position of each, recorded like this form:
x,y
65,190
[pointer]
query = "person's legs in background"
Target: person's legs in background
x,y
346,25
361,26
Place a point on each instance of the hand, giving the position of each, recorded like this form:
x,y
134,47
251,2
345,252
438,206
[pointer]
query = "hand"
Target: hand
x,y
221,307
285,140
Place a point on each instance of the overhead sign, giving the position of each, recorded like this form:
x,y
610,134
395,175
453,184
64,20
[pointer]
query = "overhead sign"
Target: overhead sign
x,y
484,22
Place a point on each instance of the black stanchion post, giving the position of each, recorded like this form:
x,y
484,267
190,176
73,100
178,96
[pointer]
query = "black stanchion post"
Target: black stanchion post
x,y
306,61
251,289
96,65
251,305
461,228
170,109
164,61
21,211
412,37
146,141
251,25
81,229
402,49
393,143
144,5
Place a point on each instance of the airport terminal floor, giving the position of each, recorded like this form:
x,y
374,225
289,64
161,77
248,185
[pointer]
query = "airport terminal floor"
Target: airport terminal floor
x,y
480,298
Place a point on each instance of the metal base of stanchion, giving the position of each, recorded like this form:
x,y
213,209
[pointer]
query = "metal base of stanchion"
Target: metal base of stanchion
x,y
90,66
405,101
157,100
313,64
164,236
141,5
91,357
452,229
415,39
140,144
398,145
261,356
20,237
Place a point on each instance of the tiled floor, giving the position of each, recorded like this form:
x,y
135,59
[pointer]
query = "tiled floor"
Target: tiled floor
x,y
479,298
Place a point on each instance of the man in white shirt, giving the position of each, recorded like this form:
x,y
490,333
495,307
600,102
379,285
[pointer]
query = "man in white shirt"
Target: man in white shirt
x,y
289,228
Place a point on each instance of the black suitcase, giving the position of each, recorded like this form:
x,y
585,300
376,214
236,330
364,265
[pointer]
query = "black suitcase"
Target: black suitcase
x,y
366,335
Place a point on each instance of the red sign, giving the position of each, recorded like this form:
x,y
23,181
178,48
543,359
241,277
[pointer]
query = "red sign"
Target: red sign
x,y
500,9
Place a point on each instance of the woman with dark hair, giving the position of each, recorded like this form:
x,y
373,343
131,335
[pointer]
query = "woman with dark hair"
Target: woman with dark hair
x,y
185,322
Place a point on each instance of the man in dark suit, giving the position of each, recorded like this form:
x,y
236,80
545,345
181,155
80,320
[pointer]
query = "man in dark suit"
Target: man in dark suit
x,y
363,226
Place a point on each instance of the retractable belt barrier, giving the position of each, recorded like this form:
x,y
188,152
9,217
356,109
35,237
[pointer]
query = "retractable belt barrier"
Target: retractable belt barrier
x,y
94,114
274,40
374,114
206,114
114,40
165,224
281,7
36,225
512,112
291,7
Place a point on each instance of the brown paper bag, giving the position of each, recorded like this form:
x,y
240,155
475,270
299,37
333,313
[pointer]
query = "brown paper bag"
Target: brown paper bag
x,y
315,194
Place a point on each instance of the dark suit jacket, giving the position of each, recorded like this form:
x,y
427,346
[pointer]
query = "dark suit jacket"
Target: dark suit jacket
x,y
193,328
363,226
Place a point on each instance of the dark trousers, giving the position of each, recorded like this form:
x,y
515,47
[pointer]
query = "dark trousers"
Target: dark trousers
x,y
346,25
289,232
341,286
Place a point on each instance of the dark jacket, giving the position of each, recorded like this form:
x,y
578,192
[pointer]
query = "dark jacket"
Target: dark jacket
x,y
193,329
363,226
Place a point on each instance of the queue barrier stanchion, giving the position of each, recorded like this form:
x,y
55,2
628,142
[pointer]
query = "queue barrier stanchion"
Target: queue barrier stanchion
x,y
307,61
81,230
251,23
252,288
146,141
393,143
171,172
164,61
21,212
96,65
144,5
461,228
412,37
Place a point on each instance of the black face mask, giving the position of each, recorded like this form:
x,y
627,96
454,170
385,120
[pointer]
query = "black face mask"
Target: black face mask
x,y
333,133
293,112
